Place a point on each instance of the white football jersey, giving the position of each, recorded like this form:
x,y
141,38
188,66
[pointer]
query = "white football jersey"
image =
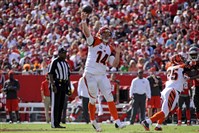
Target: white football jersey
x,y
175,78
98,55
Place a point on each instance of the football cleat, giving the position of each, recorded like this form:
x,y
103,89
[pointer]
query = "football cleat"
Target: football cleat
x,y
145,125
179,123
96,126
120,125
158,128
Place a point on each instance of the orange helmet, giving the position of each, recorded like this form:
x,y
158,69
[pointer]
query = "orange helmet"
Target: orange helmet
x,y
177,59
103,33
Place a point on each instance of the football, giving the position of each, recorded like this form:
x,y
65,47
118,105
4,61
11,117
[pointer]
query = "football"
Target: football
x,y
87,8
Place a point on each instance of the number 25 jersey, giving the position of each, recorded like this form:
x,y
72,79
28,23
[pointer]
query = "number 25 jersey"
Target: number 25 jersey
x,y
175,77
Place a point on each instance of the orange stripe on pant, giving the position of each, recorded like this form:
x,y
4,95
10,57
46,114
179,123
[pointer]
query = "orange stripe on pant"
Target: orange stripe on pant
x,y
87,88
171,99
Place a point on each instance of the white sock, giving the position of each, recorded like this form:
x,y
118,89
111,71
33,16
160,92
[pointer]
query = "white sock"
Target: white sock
x,y
118,121
158,125
149,121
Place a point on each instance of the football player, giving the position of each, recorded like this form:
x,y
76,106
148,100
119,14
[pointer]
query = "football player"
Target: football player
x,y
99,53
170,95
194,63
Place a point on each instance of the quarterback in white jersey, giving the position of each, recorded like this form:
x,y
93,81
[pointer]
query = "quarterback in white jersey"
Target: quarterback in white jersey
x,y
170,95
99,53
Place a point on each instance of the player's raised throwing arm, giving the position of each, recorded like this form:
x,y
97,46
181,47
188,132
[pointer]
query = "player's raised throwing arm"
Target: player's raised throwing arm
x,y
84,25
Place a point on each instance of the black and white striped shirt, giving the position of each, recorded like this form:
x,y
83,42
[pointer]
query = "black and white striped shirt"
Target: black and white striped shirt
x,y
59,69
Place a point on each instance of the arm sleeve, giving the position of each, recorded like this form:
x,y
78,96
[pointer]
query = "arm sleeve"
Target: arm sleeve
x,y
90,40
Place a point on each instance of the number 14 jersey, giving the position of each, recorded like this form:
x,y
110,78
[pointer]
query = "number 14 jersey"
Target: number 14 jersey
x,y
98,55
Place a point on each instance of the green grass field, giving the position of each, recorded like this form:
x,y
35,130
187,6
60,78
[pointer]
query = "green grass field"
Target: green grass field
x,y
87,128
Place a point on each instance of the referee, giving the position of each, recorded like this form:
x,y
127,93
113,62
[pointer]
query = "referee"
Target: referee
x,y
60,86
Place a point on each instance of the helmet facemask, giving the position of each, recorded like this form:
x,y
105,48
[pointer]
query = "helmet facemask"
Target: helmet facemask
x,y
105,36
193,54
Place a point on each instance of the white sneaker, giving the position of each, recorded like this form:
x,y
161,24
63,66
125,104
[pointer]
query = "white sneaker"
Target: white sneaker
x,y
119,124
96,126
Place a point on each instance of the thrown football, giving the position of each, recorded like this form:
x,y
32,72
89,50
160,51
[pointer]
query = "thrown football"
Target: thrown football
x,y
87,8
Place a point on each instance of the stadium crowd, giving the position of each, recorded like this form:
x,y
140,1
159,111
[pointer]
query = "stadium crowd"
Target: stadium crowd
x,y
149,32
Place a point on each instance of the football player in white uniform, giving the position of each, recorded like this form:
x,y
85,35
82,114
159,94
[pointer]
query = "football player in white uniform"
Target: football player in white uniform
x,y
170,95
99,53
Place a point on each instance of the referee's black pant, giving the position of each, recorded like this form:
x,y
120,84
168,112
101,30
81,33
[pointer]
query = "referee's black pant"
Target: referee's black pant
x,y
57,103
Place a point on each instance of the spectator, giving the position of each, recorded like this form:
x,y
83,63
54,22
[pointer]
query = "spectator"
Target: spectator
x,y
44,65
37,69
170,42
177,18
124,67
45,95
139,91
11,86
151,63
132,66
37,27
141,63
60,85
26,69
156,88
